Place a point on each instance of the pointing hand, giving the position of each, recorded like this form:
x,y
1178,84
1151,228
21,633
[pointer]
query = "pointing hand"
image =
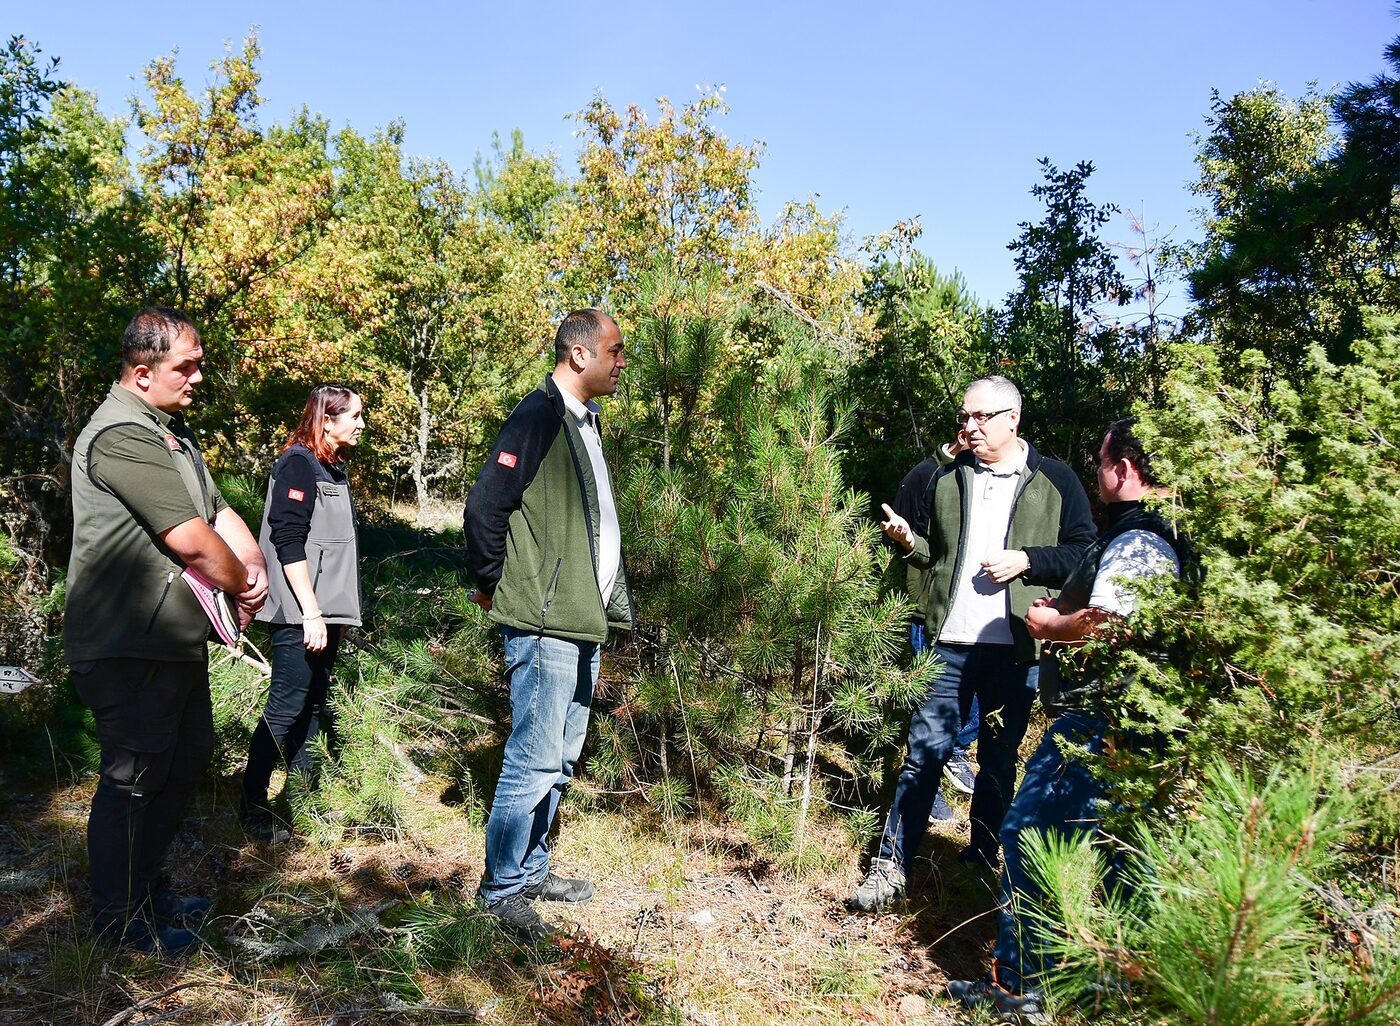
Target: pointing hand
x,y
897,528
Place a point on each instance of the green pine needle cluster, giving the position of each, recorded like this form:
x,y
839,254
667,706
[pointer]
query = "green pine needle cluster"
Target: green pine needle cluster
x,y
1227,917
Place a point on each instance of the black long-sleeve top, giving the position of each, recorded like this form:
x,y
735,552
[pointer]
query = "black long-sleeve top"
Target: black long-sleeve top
x,y
292,502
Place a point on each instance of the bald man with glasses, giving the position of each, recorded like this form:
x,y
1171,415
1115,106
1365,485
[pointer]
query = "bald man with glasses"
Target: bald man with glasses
x,y
996,529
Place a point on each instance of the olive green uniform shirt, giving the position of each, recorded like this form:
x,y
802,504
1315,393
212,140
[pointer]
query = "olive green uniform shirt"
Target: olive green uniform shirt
x,y
137,473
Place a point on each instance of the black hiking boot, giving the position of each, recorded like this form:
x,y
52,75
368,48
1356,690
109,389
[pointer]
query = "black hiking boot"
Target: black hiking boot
x,y
518,916
560,888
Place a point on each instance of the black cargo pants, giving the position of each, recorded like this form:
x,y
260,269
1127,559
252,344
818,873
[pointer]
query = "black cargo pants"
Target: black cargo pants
x,y
155,725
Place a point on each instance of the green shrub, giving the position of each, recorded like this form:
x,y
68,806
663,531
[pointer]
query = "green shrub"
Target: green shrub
x,y
1230,916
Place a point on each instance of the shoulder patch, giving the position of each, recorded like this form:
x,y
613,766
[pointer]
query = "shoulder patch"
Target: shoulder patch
x,y
296,494
172,443
507,459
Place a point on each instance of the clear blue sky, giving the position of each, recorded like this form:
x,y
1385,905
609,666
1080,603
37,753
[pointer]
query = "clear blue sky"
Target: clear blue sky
x,y
882,110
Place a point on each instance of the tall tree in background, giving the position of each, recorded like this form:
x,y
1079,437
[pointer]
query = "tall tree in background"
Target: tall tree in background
x,y
232,207
677,190
1303,230
73,253
933,340
523,192
1071,359
444,305
676,186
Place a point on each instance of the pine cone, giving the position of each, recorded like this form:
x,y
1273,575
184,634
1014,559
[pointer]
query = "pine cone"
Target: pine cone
x,y
341,862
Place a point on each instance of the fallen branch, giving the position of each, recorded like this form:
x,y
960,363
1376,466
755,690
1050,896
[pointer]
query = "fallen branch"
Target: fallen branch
x,y
142,1005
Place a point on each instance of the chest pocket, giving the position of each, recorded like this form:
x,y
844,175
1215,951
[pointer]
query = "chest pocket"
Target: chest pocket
x,y
333,519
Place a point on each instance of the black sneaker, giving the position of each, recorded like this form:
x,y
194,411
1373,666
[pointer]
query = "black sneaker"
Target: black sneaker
x,y
169,909
560,888
1026,1009
139,935
261,824
519,917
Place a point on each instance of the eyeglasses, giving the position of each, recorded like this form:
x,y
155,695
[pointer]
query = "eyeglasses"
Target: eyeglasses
x,y
964,416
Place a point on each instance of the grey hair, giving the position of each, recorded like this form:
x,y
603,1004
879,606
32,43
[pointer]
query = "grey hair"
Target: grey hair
x,y
1003,388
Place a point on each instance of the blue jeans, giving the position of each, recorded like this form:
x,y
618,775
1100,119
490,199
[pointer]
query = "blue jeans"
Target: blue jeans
x,y
1004,690
1056,794
551,694
968,734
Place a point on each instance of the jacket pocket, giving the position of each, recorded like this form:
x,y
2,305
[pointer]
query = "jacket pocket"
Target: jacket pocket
x,y
337,579
552,589
164,594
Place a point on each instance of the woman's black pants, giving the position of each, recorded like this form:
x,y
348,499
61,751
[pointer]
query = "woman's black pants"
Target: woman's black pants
x,y
296,708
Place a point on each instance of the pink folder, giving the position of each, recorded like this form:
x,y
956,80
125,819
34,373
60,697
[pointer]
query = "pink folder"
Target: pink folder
x,y
215,605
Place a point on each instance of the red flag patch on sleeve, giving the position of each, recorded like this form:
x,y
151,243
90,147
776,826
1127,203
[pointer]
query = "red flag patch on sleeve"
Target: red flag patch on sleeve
x,y
172,443
296,494
506,459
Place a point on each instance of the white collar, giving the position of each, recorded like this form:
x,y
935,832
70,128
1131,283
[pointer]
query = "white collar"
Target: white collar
x,y
1011,465
583,412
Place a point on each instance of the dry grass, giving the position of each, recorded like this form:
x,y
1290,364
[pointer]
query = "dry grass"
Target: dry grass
x,y
691,914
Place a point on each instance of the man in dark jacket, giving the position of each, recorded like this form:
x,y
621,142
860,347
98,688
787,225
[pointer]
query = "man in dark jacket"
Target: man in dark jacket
x,y
545,547
958,772
996,529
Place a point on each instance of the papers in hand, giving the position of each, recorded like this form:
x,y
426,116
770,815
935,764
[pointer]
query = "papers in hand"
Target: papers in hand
x,y
215,605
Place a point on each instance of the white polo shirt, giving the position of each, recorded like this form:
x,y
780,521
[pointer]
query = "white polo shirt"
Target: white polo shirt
x,y
981,610
609,531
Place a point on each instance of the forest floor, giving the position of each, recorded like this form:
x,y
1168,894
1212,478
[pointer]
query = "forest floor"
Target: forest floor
x,y
689,925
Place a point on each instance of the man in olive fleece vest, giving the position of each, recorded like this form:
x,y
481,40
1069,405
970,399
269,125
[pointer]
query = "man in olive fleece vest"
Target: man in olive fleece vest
x,y
545,547
145,508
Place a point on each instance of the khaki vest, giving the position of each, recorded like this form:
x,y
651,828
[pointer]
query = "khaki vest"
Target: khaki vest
x,y
125,598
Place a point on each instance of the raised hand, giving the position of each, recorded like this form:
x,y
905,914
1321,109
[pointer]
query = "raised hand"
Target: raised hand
x,y
897,528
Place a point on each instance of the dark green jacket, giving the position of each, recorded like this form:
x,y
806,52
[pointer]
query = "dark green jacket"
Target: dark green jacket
x,y
532,527
1050,522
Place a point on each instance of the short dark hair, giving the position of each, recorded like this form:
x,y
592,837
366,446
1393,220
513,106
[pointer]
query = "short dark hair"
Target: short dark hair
x,y
580,328
151,333
1124,445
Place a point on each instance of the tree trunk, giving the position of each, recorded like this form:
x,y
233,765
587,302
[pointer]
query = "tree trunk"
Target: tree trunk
x,y
418,468
796,721
810,756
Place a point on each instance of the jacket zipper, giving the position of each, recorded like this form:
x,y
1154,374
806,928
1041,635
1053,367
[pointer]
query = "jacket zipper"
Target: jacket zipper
x,y
169,579
320,563
549,592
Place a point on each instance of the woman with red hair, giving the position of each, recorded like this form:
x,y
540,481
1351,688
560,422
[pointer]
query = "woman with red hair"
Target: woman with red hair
x,y
308,540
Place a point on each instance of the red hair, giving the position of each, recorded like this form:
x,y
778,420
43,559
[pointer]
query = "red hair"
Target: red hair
x,y
324,401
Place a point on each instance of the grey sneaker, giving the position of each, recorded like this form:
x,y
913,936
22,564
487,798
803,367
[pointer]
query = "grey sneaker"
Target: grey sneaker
x,y
882,887
1026,1009
960,774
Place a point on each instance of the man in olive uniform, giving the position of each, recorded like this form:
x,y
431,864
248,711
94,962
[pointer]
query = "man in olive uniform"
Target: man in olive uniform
x,y
145,508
